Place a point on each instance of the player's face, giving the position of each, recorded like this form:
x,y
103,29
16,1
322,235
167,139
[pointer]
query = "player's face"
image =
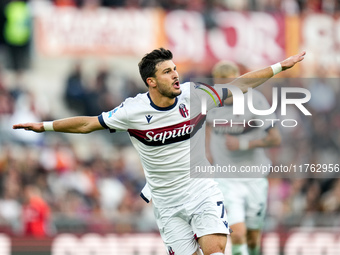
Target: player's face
x,y
167,79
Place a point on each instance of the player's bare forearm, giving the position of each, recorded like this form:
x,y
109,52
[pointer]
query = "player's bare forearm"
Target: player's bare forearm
x,y
69,125
256,78
272,139
77,125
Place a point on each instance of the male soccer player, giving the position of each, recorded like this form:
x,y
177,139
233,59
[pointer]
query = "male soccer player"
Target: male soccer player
x,y
161,127
238,144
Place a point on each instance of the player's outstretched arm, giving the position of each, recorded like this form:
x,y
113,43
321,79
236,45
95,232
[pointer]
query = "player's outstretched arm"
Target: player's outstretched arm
x,y
69,125
256,78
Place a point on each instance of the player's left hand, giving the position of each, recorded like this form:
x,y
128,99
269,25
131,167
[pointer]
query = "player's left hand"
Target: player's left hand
x,y
291,61
232,143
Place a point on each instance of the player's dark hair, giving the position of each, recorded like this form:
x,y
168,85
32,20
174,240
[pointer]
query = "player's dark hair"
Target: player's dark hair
x,y
147,66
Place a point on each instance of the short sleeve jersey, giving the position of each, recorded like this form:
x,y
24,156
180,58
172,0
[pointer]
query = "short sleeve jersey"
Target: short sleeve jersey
x,y
164,138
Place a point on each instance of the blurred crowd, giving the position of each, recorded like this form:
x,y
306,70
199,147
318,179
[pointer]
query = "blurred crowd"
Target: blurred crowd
x,y
52,183
92,182
287,6
47,179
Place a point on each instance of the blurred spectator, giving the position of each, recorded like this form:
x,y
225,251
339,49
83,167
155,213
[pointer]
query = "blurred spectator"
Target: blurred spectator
x,y
312,6
75,94
73,206
6,99
312,198
6,102
236,5
278,192
330,201
330,6
295,199
99,97
2,27
290,7
111,195
18,87
113,3
322,138
90,4
323,97
65,3
36,213
25,110
10,210
131,88
17,34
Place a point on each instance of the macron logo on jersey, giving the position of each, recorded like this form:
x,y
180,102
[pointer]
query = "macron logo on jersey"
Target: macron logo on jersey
x,y
148,117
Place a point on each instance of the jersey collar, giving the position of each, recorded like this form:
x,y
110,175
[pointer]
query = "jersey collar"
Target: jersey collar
x,y
162,108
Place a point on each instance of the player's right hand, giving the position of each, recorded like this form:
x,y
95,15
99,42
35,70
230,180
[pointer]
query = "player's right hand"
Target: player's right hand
x,y
36,127
232,143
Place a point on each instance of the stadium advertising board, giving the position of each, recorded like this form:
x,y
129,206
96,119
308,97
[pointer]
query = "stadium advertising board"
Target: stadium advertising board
x,y
297,241
69,31
251,39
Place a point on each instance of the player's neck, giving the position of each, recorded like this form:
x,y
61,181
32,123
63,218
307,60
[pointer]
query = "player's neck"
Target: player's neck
x,y
160,100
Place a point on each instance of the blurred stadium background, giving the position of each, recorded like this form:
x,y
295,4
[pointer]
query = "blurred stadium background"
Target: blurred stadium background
x,y
79,57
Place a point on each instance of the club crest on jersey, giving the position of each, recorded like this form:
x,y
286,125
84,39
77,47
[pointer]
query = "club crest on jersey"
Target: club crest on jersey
x,y
171,252
183,110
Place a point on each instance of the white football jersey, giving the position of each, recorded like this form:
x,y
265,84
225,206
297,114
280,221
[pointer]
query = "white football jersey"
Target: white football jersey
x,y
248,126
164,139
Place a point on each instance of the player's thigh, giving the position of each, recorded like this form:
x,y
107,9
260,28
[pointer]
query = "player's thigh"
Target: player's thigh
x,y
209,215
256,204
210,223
176,232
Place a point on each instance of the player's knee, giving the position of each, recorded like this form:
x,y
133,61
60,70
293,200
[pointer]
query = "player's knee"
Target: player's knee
x,y
253,239
214,250
214,247
239,234
252,243
238,238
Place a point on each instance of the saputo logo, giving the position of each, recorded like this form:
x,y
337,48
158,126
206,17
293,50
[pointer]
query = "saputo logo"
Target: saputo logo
x,y
239,106
169,134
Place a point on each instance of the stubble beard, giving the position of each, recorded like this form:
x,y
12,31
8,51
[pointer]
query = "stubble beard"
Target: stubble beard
x,y
170,94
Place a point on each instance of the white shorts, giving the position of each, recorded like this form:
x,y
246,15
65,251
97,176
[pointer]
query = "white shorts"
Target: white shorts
x,y
179,226
246,201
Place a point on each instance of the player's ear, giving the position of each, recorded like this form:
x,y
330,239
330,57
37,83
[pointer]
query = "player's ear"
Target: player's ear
x,y
151,81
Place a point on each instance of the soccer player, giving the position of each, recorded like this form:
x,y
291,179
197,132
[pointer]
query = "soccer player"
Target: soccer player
x,y
162,129
239,145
